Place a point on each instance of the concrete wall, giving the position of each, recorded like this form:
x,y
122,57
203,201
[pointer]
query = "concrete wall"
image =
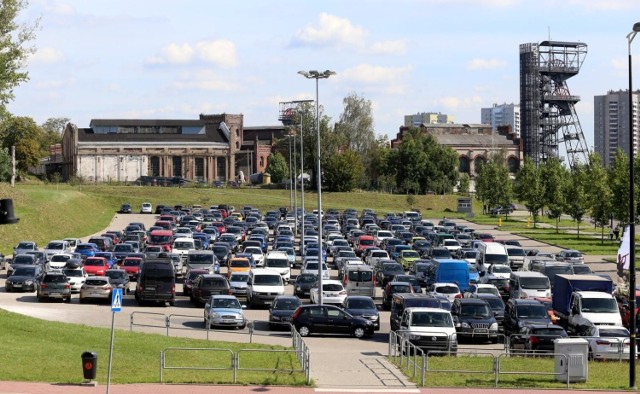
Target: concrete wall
x,y
105,168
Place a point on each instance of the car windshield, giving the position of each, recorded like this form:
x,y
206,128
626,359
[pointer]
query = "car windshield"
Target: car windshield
x,y
431,319
96,262
360,303
475,310
410,254
25,245
332,287
277,263
534,283
496,259
131,263
116,274
25,259
213,282
235,277
240,263
160,239
73,273
96,282
613,332
441,253
401,289
532,312
84,247
599,305
447,289
55,245
470,255
487,290
228,303
306,279
501,269
498,282
393,268
495,304
267,280
55,279
346,254
24,271
200,258
573,254
287,304
123,248
516,252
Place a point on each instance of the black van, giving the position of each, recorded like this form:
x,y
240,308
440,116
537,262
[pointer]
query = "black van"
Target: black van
x,y
156,282
401,301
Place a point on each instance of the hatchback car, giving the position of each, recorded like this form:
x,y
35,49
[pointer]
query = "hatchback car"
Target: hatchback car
x,y
125,208
392,288
281,310
96,266
225,311
76,274
329,319
303,284
610,342
24,278
364,307
54,285
146,207
96,288
333,292
536,338
207,285
570,256
119,279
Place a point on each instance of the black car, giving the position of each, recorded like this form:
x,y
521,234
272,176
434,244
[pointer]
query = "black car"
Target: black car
x,y
21,260
536,338
474,319
281,310
440,252
392,288
207,285
329,319
24,278
523,312
125,208
412,279
496,304
387,272
119,279
303,284
362,306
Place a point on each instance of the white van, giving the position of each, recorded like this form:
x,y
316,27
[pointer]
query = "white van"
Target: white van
x,y
430,329
263,286
491,253
182,246
279,261
359,280
529,284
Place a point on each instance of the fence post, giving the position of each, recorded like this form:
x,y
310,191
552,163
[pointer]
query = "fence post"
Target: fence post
x,y
496,369
234,364
168,323
161,366
422,369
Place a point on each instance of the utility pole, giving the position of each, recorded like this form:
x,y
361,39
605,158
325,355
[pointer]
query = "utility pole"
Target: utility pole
x,y
13,166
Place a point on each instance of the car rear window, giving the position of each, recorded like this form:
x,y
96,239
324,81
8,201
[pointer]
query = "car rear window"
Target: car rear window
x,y
96,282
214,282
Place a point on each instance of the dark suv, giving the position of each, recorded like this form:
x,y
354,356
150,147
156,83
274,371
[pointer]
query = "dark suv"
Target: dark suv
x,y
54,285
474,319
524,312
207,285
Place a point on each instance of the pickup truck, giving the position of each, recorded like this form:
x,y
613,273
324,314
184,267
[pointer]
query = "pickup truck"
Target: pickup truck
x,y
582,301
430,329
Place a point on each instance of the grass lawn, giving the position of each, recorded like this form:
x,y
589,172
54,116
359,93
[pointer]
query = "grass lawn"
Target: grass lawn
x,y
42,351
607,375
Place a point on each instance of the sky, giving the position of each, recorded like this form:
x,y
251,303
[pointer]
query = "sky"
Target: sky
x,y
160,59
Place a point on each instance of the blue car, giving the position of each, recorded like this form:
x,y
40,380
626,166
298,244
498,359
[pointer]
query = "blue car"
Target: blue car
x,y
204,238
87,250
474,275
110,256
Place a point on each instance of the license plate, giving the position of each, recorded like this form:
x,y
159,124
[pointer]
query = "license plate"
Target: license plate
x,y
227,321
480,331
285,319
55,295
17,285
96,294
151,287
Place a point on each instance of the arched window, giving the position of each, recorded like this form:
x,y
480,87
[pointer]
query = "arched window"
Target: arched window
x,y
478,162
463,164
513,164
154,166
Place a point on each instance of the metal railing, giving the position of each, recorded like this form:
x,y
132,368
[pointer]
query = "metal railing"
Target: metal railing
x,y
232,361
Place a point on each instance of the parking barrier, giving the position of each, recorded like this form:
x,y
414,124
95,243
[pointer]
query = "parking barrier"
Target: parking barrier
x,y
232,361
179,328
136,313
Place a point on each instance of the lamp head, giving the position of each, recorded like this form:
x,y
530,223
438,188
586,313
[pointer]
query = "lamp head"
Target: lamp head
x,y
636,27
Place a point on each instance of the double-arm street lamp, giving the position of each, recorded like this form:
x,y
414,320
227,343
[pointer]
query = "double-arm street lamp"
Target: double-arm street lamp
x,y
632,225
317,75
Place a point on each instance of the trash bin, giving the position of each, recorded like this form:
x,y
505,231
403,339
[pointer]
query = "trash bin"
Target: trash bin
x,y
89,365
572,356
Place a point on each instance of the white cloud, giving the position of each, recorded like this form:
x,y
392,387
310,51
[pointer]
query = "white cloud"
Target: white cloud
x,y
46,56
389,47
452,102
331,30
375,74
220,52
204,80
485,64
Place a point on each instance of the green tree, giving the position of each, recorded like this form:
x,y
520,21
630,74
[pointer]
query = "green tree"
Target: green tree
x,y
529,188
5,165
576,200
554,176
493,185
464,184
52,130
619,183
599,192
277,167
14,49
356,125
342,172
411,162
26,136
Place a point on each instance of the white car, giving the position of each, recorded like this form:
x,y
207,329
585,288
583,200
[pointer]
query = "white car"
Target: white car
x,y
608,342
333,292
58,261
146,207
453,245
499,270
449,290
311,267
258,256
481,288
56,247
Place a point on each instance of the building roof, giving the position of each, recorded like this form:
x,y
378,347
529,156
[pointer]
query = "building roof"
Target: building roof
x,y
480,140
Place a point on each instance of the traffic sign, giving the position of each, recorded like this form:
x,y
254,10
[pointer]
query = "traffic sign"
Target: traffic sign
x,y
116,300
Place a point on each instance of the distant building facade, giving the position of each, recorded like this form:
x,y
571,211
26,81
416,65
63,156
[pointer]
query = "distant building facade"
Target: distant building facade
x,y
611,123
502,115
428,118
474,144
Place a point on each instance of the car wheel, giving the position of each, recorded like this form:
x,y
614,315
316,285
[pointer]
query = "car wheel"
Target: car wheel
x,y
8,290
67,300
243,326
359,332
40,299
304,331
172,303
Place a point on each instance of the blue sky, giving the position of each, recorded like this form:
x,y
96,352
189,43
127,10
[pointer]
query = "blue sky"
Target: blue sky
x,y
177,59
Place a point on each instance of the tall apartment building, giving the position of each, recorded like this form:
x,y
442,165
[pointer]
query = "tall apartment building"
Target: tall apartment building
x,y
427,118
502,115
611,123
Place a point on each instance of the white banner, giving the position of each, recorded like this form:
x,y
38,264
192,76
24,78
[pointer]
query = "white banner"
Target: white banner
x,y
624,250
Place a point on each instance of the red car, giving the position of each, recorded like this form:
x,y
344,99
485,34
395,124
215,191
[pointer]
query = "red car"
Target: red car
x,y
96,266
132,266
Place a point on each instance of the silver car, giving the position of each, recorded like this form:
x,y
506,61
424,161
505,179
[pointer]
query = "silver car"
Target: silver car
x,y
238,283
224,310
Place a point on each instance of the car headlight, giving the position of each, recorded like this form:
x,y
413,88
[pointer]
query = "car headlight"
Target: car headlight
x,y
454,337
414,337
28,282
465,325
213,315
275,318
493,327
8,282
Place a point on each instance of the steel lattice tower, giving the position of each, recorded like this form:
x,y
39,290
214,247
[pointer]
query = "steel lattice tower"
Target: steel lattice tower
x,y
547,108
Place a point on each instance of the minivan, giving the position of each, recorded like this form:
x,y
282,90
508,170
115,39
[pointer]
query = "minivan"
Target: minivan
x,y
156,282
529,284
279,261
263,286
359,280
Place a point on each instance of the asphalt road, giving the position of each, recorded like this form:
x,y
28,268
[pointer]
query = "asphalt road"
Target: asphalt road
x,y
336,362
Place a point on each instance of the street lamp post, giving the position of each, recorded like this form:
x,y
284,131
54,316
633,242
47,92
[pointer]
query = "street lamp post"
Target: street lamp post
x,y
632,226
301,248
291,172
317,75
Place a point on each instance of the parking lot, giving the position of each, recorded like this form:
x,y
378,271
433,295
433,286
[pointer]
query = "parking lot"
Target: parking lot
x,y
336,361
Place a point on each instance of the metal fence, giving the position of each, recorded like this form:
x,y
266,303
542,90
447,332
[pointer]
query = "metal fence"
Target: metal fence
x,y
413,358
